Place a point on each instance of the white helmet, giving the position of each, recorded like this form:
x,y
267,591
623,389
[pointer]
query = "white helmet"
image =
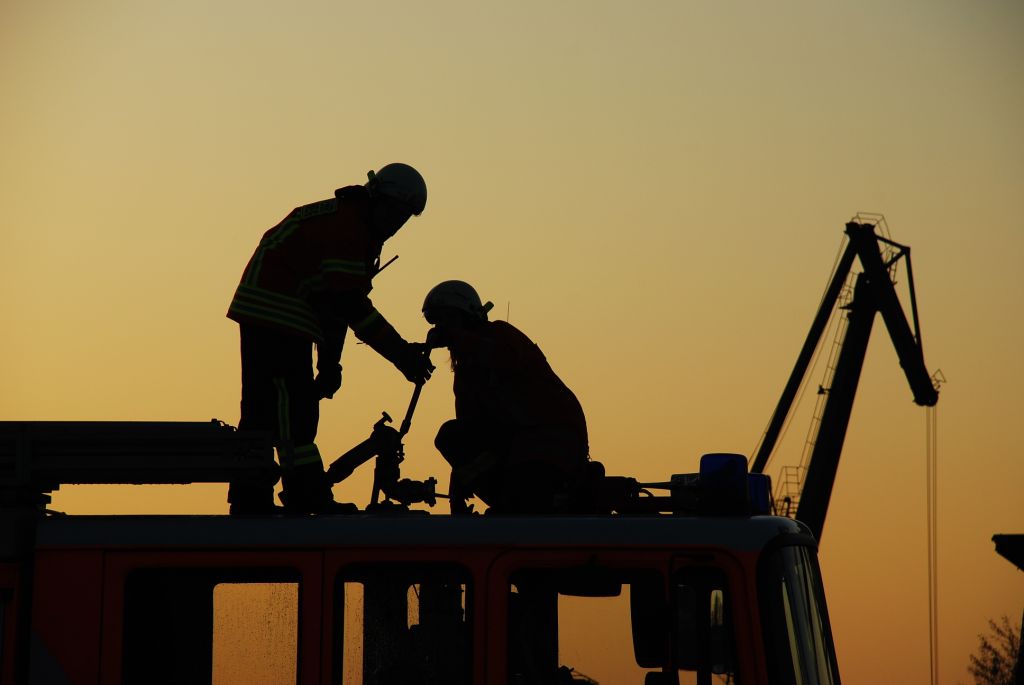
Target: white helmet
x,y
401,182
455,295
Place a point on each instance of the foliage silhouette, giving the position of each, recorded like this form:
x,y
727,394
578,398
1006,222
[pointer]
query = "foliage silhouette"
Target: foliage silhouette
x,y
996,661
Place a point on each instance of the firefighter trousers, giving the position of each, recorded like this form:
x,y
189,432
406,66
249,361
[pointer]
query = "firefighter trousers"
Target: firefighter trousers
x,y
279,396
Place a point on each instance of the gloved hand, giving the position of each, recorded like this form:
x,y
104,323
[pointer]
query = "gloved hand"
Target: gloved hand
x,y
414,363
327,381
436,337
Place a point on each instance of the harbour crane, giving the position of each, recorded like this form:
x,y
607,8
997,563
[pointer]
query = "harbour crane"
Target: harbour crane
x,y
873,293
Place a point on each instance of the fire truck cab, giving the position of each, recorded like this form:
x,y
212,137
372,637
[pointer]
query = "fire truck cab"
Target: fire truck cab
x,y
714,594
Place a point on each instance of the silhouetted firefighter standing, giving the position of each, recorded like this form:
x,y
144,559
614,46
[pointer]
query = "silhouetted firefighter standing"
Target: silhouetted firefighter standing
x,y
307,283
519,437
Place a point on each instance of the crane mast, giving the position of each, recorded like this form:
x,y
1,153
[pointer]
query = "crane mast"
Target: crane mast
x,y
873,294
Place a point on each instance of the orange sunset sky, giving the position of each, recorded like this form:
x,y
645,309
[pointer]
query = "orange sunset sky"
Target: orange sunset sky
x,y
654,191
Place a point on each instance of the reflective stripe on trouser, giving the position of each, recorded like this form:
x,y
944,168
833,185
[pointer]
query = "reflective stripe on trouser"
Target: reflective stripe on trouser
x,y
307,455
284,424
278,396
292,456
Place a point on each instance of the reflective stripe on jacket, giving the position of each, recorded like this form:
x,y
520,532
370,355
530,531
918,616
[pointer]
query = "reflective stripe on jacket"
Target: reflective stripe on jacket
x,y
319,253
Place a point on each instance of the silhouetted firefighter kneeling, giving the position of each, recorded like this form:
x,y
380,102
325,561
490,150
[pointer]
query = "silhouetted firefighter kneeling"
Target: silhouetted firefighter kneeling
x,y
519,437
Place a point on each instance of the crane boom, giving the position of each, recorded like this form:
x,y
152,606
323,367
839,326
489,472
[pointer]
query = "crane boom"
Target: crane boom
x,y
874,293
906,342
828,303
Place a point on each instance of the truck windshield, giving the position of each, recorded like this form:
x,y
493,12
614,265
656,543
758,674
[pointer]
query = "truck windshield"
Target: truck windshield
x,y
798,639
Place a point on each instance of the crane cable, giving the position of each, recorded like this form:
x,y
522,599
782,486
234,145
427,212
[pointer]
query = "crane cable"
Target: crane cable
x,y
813,367
931,477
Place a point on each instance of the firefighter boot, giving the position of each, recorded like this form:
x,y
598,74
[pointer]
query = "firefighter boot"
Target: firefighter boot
x,y
251,498
457,496
306,490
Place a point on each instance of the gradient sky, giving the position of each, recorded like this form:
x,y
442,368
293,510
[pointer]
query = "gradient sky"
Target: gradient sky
x,y
654,191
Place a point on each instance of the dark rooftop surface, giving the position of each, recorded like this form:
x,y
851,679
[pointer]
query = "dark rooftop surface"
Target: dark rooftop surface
x,y
1011,547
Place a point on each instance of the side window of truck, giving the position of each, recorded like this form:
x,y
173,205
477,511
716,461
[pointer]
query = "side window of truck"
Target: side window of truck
x,y
592,624
575,625
798,637
217,626
703,634
403,623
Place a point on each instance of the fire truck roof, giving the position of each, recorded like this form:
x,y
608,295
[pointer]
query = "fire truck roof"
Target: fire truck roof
x,y
740,533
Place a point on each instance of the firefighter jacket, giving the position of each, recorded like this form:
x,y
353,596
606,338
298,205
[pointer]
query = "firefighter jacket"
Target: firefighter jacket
x,y
311,276
503,381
